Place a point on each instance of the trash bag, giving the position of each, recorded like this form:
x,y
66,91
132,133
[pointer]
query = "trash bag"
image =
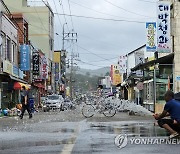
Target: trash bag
x,y
5,112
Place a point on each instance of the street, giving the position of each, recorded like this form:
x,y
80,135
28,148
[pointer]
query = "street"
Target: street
x,y
69,132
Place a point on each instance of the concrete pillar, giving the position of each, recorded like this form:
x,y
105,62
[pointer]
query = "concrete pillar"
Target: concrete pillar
x,y
176,44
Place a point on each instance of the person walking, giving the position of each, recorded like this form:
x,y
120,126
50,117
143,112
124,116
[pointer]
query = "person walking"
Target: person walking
x,y
25,103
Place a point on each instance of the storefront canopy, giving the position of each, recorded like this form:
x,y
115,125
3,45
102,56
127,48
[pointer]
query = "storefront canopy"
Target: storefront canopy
x,y
162,60
18,86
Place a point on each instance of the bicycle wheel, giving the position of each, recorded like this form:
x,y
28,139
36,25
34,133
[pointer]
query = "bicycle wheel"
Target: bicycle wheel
x,y
109,112
88,111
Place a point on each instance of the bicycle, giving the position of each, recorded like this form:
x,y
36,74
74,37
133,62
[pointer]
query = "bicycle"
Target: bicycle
x,y
103,106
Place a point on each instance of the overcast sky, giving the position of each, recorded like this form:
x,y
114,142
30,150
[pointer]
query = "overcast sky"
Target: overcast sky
x,y
101,42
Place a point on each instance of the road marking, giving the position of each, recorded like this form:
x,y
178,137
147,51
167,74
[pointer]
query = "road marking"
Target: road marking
x,y
67,149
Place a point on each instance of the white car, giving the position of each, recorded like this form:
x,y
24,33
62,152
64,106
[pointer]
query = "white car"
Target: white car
x,y
53,102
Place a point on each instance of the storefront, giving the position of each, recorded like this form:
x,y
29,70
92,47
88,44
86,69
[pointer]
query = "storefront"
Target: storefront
x,y
155,80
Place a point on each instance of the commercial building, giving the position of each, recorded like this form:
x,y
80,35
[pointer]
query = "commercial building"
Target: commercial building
x,y
41,31
9,68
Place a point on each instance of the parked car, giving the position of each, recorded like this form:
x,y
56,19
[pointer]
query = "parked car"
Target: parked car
x,y
53,102
68,105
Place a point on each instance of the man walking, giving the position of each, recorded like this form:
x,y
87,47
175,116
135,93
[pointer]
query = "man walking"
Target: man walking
x,y
25,103
172,109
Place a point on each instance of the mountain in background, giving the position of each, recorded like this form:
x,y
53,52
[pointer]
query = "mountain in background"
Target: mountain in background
x,y
98,72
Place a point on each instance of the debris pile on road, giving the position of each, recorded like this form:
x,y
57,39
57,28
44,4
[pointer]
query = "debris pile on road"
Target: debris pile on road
x,y
131,107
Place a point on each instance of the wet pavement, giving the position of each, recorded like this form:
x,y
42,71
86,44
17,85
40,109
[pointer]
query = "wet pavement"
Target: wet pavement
x,y
69,132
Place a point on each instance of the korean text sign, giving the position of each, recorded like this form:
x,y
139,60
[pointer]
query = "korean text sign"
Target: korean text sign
x,y
44,68
151,36
163,27
25,57
35,62
57,71
123,63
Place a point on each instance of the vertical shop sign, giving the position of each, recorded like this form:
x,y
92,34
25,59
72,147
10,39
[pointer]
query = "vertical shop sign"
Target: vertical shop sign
x,y
35,61
151,36
56,71
24,57
139,59
163,27
123,63
44,68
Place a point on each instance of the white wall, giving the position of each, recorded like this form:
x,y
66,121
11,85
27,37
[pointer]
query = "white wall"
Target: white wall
x,y
131,58
130,62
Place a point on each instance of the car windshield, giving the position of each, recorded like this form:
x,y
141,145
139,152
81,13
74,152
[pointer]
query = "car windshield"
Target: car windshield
x,y
53,97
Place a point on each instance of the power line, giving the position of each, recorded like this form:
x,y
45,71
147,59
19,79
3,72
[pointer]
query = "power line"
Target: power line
x,y
70,14
60,3
40,18
38,27
146,1
96,10
126,9
98,54
89,63
104,42
105,19
94,53
57,11
103,60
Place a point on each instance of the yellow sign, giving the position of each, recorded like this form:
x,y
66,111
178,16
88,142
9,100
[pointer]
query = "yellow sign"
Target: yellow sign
x,y
116,76
57,57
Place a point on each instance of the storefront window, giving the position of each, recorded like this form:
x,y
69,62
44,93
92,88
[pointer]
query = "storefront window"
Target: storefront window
x,y
160,91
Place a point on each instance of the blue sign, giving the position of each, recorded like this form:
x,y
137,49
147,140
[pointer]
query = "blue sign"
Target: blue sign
x,y
24,57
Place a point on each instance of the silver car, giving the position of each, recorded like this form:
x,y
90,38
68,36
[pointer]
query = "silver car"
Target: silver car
x,y
53,102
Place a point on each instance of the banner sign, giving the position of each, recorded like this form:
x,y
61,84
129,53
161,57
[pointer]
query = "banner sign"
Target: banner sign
x,y
44,69
25,57
151,36
163,27
139,59
35,61
57,72
122,64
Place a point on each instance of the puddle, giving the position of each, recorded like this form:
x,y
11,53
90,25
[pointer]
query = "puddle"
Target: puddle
x,y
64,130
136,129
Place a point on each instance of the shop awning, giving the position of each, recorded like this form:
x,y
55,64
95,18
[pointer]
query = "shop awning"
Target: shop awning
x,y
162,60
18,85
17,79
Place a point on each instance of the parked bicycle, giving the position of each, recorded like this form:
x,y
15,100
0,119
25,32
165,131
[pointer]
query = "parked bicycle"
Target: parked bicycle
x,y
102,106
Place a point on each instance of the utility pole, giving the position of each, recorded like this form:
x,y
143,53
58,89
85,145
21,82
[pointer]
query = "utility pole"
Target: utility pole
x,y
71,76
72,72
67,37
